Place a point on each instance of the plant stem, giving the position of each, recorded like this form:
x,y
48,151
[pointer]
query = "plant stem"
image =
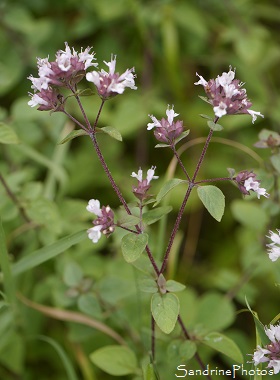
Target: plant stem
x,y
153,337
180,163
187,336
14,199
214,180
182,208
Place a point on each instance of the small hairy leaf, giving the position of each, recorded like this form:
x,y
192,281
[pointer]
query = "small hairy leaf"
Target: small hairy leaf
x,y
113,132
133,245
153,216
72,135
168,186
213,200
165,310
115,360
223,344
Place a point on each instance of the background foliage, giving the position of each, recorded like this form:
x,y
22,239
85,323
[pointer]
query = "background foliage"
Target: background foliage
x,y
167,41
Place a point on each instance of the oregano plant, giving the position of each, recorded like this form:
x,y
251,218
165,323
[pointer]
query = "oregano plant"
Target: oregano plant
x,y
65,78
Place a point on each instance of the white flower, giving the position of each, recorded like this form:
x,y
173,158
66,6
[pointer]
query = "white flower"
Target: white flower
x,y
275,364
273,333
274,237
226,78
139,175
220,110
171,114
154,124
36,100
150,174
201,81
94,233
274,253
94,207
259,357
254,115
250,184
87,58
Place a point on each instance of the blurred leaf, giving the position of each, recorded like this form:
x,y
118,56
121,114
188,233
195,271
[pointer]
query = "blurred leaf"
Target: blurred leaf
x,y
275,160
47,253
168,186
89,304
8,135
13,355
128,221
115,360
223,344
249,214
165,310
72,135
152,216
214,312
187,350
72,274
259,326
213,200
214,126
174,286
148,285
45,212
133,245
182,136
113,132
149,372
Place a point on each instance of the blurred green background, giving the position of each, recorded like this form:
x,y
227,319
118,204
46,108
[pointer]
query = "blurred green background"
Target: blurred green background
x,y
167,41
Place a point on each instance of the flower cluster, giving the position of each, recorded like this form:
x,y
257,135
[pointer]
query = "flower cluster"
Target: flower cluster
x,y
104,223
143,184
166,130
109,84
274,247
67,69
271,352
227,96
247,181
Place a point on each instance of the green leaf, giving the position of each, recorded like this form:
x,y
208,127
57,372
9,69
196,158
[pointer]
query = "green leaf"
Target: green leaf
x,y
72,274
205,116
182,136
67,363
214,126
223,344
153,216
169,185
187,350
165,310
89,304
259,326
72,135
148,285
115,360
162,146
149,372
128,221
213,200
113,132
174,286
133,245
8,135
204,98
249,214
214,312
46,253
275,160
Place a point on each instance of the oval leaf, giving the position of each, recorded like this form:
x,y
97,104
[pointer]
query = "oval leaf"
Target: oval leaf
x,y
72,135
214,126
113,132
8,135
153,216
133,245
169,185
182,136
213,200
115,360
165,310
223,344
174,286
